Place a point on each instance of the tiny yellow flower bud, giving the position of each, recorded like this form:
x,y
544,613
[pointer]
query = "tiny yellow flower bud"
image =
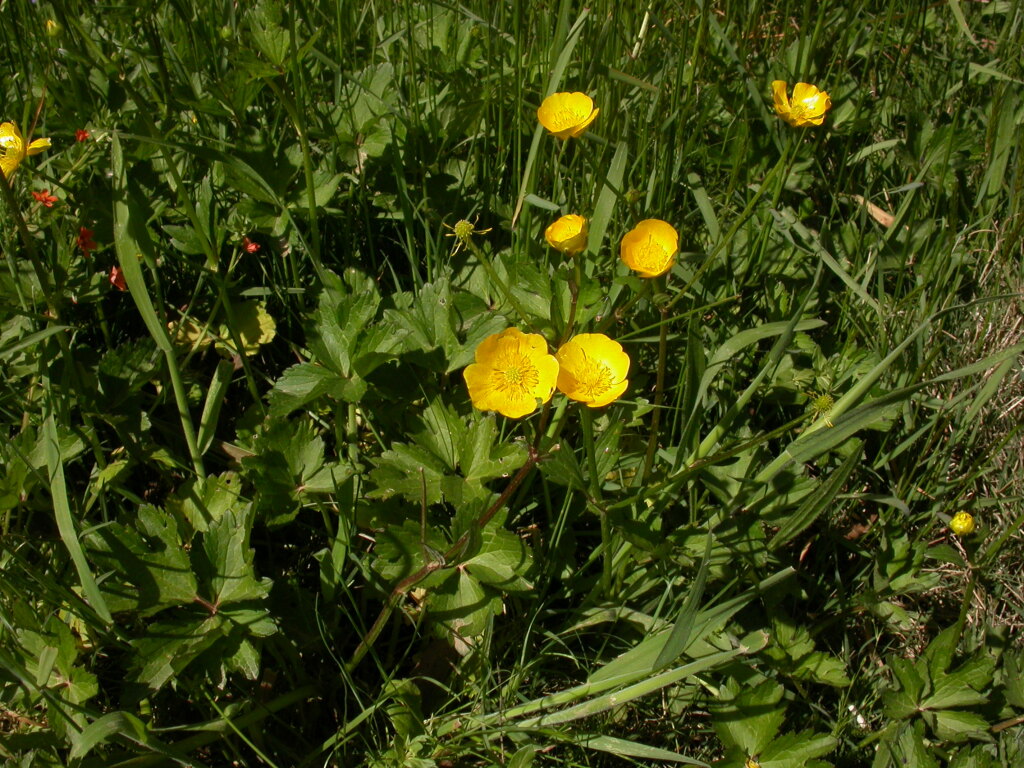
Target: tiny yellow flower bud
x,y
53,29
962,524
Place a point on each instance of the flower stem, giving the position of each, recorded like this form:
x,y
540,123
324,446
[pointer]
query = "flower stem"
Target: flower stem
x,y
503,288
594,492
447,559
618,314
659,392
574,295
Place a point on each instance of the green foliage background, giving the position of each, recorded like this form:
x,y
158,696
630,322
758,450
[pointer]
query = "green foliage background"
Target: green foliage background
x,y
315,551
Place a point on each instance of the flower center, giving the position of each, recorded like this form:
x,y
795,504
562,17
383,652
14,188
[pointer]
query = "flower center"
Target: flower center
x,y
565,118
463,230
822,403
515,376
595,378
650,256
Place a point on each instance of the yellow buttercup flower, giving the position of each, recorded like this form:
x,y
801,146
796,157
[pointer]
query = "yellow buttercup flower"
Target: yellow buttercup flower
x,y
568,234
513,371
808,106
13,150
592,369
567,114
650,247
962,524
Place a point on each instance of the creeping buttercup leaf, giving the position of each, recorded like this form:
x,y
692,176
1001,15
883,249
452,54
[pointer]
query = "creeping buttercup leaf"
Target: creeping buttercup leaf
x,y
929,689
51,656
225,561
793,650
415,473
747,718
303,383
462,609
903,701
266,32
149,566
345,308
168,648
404,549
447,459
345,340
362,116
979,757
482,457
502,561
200,502
796,750
289,464
957,725
442,432
428,323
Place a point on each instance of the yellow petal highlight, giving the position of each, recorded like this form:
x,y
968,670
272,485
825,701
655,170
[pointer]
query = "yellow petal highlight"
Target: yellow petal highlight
x,y
567,115
650,247
512,372
568,234
807,107
592,369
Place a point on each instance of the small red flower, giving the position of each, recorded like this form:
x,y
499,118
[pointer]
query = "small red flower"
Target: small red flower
x,y
117,279
45,198
81,134
85,241
250,246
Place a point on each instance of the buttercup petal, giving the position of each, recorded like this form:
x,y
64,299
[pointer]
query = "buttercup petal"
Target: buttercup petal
x,y
802,92
780,97
38,146
8,131
547,368
580,129
8,163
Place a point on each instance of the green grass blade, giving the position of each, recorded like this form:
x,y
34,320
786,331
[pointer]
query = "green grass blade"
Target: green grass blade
x,y
631,692
679,637
129,237
625,748
214,400
707,210
610,193
66,523
817,502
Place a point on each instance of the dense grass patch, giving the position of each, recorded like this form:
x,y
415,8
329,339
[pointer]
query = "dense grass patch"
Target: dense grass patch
x,y
250,515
